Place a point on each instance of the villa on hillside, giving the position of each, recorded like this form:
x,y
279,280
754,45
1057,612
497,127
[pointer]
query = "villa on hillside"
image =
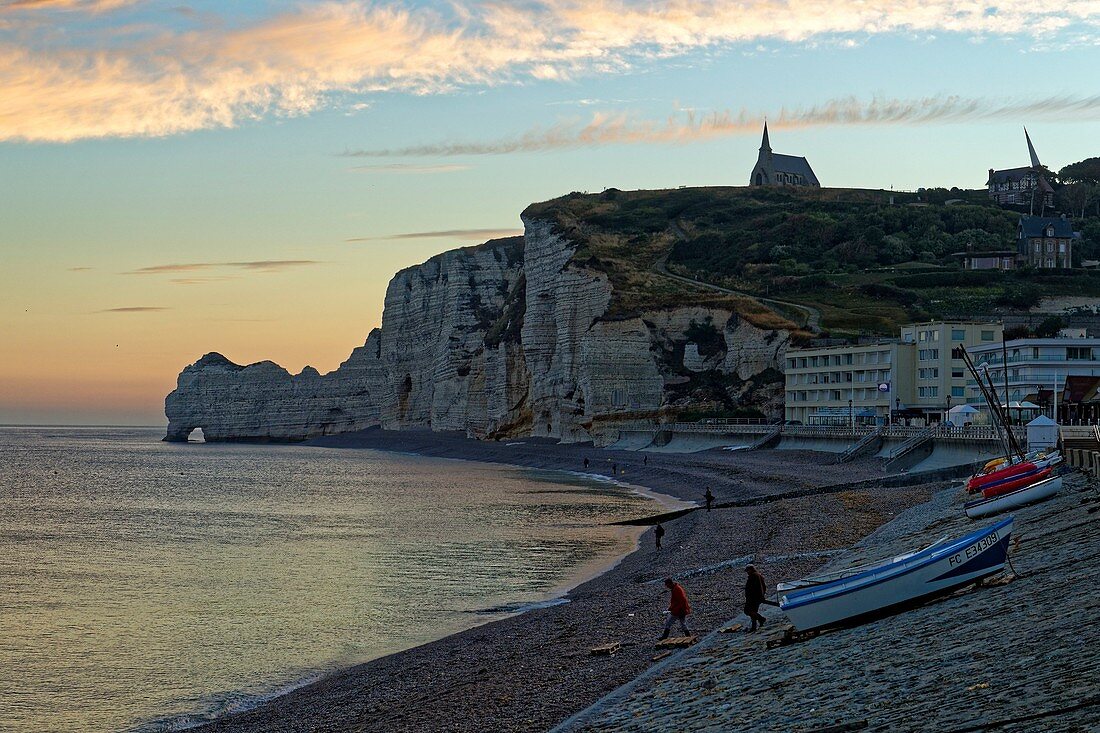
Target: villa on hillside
x,y
1017,186
775,169
1045,242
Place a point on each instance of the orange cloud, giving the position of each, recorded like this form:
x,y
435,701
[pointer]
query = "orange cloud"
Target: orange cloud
x,y
623,129
256,265
170,81
94,6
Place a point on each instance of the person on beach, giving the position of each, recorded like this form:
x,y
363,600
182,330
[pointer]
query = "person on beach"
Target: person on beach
x,y
755,592
678,608
614,468
645,460
658,533
586,463
709,497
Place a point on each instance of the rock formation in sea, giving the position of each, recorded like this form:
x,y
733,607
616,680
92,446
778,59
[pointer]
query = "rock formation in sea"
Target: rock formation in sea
x,y
533,335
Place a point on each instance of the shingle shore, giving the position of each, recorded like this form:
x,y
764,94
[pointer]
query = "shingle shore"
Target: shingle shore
x,y
1018,657
532,671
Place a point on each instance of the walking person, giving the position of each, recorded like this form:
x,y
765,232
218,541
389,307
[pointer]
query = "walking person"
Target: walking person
x,y
645,460
709,499
614,469
586,463
678,608
755,592
658,533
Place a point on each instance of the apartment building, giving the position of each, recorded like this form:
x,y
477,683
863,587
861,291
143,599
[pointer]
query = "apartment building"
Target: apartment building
x,y
1036,368
913,375
939,381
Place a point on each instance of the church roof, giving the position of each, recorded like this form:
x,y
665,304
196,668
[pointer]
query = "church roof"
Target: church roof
x,y
794,164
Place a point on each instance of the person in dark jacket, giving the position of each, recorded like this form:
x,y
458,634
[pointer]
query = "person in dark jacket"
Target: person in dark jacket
x,y
658,533
709,497
755,592
678,608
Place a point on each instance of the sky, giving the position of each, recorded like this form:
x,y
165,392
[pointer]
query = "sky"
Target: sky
x,y
246,177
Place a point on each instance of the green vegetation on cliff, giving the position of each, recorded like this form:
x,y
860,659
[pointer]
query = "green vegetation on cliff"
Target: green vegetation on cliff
x,y
865,260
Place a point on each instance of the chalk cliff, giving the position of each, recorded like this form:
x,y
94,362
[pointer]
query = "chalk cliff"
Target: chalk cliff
x,y
533,335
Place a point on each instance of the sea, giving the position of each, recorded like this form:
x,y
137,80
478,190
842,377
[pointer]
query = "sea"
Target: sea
x,y
150,586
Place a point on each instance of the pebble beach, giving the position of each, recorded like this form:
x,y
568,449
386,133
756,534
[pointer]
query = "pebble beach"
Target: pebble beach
x,y
789,512
1022,655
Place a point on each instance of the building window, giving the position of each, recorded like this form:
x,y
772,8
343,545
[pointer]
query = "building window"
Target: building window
x,y
929,354
922,336
987,335
958,334
931,373
958,392
1083,353
957,374
928,391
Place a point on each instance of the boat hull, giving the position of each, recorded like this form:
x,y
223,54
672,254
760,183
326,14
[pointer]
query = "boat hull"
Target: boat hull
x,y
1003,502
923,575
1017,482
978,483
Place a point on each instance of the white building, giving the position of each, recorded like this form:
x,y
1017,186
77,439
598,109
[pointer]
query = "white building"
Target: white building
x,y
914,376
1037,368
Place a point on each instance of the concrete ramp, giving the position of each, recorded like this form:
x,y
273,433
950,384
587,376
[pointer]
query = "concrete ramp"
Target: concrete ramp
x,y
633,440
948,453
695,442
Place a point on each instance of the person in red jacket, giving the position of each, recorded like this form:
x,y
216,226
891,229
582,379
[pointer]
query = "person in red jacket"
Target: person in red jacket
x,y
678,608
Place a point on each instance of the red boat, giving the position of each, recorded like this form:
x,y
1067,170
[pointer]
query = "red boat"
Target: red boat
x,y
1018,482
981,481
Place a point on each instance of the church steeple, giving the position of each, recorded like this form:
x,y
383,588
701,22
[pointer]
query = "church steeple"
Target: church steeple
x,y
1030,149
765,145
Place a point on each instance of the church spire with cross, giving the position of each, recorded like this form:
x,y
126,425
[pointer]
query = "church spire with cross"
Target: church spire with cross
x,y
776,169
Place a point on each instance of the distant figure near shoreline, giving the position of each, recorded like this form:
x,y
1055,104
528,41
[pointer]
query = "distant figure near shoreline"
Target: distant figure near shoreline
x,y
709,497
658,533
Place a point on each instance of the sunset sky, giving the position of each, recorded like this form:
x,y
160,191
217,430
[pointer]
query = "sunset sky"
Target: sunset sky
x,y
246,177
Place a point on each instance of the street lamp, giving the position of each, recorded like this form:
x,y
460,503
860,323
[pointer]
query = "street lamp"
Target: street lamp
x,y
851,419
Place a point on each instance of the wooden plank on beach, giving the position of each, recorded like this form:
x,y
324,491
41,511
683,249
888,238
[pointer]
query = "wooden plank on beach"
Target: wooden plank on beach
x,y
605,650
662,655
677,642
731,629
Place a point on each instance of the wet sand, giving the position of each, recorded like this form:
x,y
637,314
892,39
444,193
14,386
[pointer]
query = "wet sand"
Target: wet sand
x,y
531,671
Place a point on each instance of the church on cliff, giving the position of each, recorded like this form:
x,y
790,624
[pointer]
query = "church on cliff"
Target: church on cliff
x,y
775,169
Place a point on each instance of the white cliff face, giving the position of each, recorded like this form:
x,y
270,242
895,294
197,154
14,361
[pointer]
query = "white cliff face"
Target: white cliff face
x,y
446,358
445,369
506,339
264,402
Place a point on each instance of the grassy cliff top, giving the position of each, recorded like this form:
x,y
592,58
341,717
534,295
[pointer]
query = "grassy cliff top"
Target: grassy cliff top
x,y
866,260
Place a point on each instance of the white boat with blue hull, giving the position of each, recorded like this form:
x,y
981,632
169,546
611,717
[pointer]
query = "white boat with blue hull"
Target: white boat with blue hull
x,y
935,570
1003,502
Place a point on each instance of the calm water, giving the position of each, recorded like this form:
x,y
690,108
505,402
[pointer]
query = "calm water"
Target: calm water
x,y
146,585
